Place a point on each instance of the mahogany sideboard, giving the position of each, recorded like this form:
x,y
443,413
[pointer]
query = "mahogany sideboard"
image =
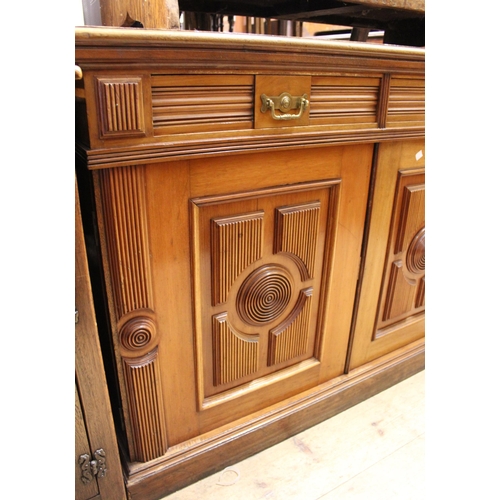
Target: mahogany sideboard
x,y
255,215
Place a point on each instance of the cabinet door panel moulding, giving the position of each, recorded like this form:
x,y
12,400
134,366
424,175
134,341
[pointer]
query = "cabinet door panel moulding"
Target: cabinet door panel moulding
x,y
261,315
403,292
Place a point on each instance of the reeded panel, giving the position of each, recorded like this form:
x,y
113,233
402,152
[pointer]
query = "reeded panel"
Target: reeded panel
x,y
237,243
201,103
259,259
127,238
236,354
406,101
146,406
403,292
135,330
289,339
296,235
342,100
120,107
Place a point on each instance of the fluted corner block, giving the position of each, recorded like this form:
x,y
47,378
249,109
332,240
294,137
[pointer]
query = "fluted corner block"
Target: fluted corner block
x,y
121,110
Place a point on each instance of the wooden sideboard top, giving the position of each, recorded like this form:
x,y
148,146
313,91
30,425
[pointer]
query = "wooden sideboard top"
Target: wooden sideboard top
x,y
157,95
129,40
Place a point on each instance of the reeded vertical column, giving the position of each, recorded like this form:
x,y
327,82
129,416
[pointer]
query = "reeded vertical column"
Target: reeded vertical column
x,y
127,242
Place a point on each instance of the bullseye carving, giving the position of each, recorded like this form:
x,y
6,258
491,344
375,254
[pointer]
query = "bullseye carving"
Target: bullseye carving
x,y
415,258
137,333
264,295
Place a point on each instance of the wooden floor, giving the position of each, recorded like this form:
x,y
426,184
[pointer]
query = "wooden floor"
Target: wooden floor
x,y
373,451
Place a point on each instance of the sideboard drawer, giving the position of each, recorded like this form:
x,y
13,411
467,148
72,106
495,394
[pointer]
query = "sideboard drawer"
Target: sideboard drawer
x,y
201,103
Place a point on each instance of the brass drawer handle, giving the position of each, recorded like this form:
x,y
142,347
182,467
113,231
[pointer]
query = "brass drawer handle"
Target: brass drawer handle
x,y
283,103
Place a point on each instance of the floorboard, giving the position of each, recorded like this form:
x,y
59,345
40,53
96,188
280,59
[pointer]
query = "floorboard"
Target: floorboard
x,y
372,451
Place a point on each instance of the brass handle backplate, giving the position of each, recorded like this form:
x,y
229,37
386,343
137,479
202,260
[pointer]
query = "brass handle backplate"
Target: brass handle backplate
x,y
283,103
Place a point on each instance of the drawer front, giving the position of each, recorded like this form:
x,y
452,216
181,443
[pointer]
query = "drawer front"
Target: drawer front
x,y
201,103
193,113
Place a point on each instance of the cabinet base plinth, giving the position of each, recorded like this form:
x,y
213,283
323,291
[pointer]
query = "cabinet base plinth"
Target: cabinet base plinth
x,y
189,462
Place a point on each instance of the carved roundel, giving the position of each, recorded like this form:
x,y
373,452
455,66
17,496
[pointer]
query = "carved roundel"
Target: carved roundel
x,y
137,333
415,258
264,295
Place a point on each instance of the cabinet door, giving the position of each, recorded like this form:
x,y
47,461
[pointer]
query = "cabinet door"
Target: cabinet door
x,y
94,428
391,307
233,282
86,488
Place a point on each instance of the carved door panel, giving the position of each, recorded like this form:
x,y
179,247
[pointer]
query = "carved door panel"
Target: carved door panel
x,y
232,288
392,300
265,257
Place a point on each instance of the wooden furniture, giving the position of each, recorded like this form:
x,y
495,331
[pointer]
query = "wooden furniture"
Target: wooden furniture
x,y
162,14
260,206
402,21
98,471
